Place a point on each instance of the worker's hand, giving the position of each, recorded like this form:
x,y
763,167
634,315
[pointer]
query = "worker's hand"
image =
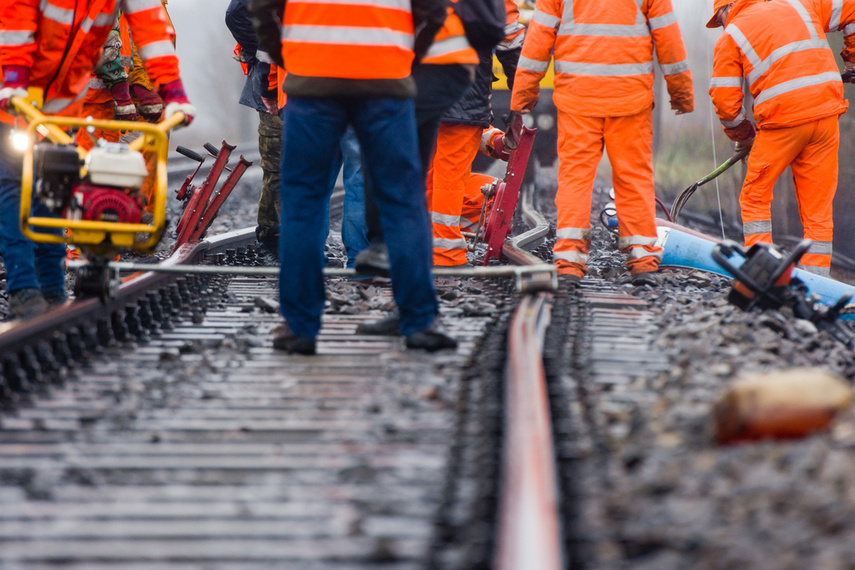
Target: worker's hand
x,y
125,108
682,106
492,144
16,79
744,145
848,75
514,122
149,104
176,101
271,104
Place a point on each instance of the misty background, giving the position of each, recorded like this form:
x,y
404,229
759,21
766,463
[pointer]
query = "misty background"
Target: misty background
x,y
686,147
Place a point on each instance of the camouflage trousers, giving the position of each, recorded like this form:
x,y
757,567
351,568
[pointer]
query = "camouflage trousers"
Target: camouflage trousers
x,y
270,149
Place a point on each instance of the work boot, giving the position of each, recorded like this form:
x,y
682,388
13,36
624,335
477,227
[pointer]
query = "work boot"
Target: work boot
x,y
569,281
649,278
387,326
374,260
432,338
285,339
55,296
27,302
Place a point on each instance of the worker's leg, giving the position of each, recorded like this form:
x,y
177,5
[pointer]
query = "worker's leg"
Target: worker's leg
x,y
580,148
815,177
629,143
456,147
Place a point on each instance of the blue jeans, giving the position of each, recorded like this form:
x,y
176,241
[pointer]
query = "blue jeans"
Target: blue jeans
x,y
28,264
386,131
353,230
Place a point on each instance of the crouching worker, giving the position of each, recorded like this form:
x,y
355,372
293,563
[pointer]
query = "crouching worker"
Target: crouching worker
x,y
51,47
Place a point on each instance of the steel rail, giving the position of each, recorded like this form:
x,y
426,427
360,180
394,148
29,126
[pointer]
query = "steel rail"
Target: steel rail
x,y
529,533
19,334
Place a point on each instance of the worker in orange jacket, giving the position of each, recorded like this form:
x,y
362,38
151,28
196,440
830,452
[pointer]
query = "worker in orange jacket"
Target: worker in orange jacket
x,y
604,95
458,141
798,97
52,45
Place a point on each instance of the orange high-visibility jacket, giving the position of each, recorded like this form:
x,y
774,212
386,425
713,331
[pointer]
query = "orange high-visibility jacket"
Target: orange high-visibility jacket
x,y
35,33
788,66
348,41
450,44
603,54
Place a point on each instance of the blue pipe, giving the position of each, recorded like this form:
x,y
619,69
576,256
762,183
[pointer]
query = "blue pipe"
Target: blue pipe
x,y
683,249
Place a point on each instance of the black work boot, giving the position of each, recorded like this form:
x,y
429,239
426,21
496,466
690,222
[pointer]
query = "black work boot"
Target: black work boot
x,y
432,338
387,326
27,302
373,260
570,281
285,339
649,278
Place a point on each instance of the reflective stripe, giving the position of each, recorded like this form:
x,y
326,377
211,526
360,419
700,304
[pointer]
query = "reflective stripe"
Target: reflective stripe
x,y
394,4
571,256
513,27
13,38
744,45
445,220
546,19
674,68
348,36
156,49
573,233
440,243
726,82
848,29
820,247
834,19
602,69
468,224
447,46
95,83
816,269
758,227
57,105
604,30
58,15
629,241
662,21
132,6
804,15
735,122
793,84
793,47
516,42
640,252
533,64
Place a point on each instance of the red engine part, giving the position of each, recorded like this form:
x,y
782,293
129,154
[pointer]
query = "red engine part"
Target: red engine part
x,y
104,204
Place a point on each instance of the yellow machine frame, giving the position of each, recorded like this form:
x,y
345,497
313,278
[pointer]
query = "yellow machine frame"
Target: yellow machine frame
x,y
98,236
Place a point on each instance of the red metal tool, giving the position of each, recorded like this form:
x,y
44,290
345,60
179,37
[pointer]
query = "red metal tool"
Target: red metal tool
x,y
507,192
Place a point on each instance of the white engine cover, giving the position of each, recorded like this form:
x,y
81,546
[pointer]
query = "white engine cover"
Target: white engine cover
x,y
114,164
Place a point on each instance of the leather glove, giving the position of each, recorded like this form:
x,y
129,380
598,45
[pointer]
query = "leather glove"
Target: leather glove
x,y
149,104
125,109
175,100
492,144
514,123
744,145
16,79
682,106
848,75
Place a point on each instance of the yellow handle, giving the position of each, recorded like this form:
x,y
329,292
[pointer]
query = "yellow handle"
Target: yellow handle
x,y
29,111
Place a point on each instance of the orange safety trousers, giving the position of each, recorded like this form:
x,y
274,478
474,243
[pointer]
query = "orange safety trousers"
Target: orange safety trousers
x,y
456,147
810,150
473,200
629,143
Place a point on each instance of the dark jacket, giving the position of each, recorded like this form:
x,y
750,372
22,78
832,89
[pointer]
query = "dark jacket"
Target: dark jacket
x,y
474,107
267,18
239,23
